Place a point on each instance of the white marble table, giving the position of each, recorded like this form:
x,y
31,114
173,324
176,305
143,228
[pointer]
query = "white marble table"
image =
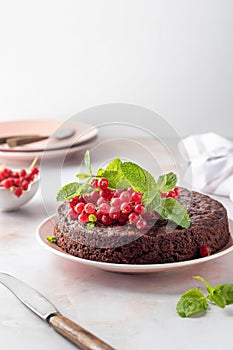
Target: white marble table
x,y
130,312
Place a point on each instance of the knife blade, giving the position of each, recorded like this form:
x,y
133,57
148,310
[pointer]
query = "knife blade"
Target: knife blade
x,y
42,307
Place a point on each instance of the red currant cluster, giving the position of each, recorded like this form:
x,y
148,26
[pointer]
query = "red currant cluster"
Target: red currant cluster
x,y
172,194
108,206
17,181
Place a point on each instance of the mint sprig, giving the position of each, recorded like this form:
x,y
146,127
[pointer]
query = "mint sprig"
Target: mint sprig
x,y
125,174
194,302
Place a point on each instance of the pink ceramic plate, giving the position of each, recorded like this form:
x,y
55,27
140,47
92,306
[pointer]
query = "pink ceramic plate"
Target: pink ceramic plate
x,y
83,133
18,157
46,229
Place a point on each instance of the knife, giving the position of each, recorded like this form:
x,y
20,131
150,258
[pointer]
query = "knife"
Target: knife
x,y
47,311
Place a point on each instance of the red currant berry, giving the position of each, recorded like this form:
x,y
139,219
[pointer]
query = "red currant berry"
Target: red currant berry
x,y
125,196
130,190
22,172
79,207
18,191
177,191
150,215
106,220
103,183
73,214
136,197
116,202
29,177
86,198
123,219
90,208
133,218
170,194
7,183
205,250
106,194
126,208
114,213
35,171
141,224
83,217
104,208
16,175
17,182
163,195
81,199
94,183
99,215
117,193
74,201
6,173
101,201
25,185
94,196
139,209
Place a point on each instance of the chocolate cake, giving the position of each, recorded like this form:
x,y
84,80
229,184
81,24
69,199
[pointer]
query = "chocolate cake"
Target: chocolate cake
x,y
163,241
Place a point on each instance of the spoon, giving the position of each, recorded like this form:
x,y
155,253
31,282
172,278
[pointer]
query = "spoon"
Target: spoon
x,y
16,140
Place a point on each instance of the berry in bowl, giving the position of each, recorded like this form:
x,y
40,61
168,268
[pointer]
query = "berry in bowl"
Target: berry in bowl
x,y
17,187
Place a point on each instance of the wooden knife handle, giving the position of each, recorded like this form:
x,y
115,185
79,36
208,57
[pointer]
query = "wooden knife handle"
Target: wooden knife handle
x,y
76,334
20,141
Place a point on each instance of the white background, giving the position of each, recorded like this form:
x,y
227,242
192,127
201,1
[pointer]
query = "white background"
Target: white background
x,y
58,57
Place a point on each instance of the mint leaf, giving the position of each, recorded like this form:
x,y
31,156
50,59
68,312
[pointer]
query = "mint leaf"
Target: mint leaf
x,y
191,302
141,180
226,291
217,299
208,286
90,225
92,218
114,174
67,191
82,176
51,239
87,161
115,164
171,209
215,294
166,182
156,203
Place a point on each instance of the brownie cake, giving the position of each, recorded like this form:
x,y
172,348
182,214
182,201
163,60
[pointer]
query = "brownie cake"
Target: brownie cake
x,y
162,242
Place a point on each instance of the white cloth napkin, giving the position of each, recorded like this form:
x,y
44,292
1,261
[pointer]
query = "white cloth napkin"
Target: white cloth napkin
x,y
210,157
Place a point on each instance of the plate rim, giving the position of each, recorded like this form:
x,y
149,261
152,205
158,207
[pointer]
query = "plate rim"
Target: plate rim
x,y
128,268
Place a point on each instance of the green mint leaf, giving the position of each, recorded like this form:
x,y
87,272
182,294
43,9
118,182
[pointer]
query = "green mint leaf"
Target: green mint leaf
x,y
217,299
155,204
113,176
87,161
115,164
226,291
90,225
140,179
82,176
191,303
51,239
67,191
92,218
113,173
166,182
171,209
208,286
